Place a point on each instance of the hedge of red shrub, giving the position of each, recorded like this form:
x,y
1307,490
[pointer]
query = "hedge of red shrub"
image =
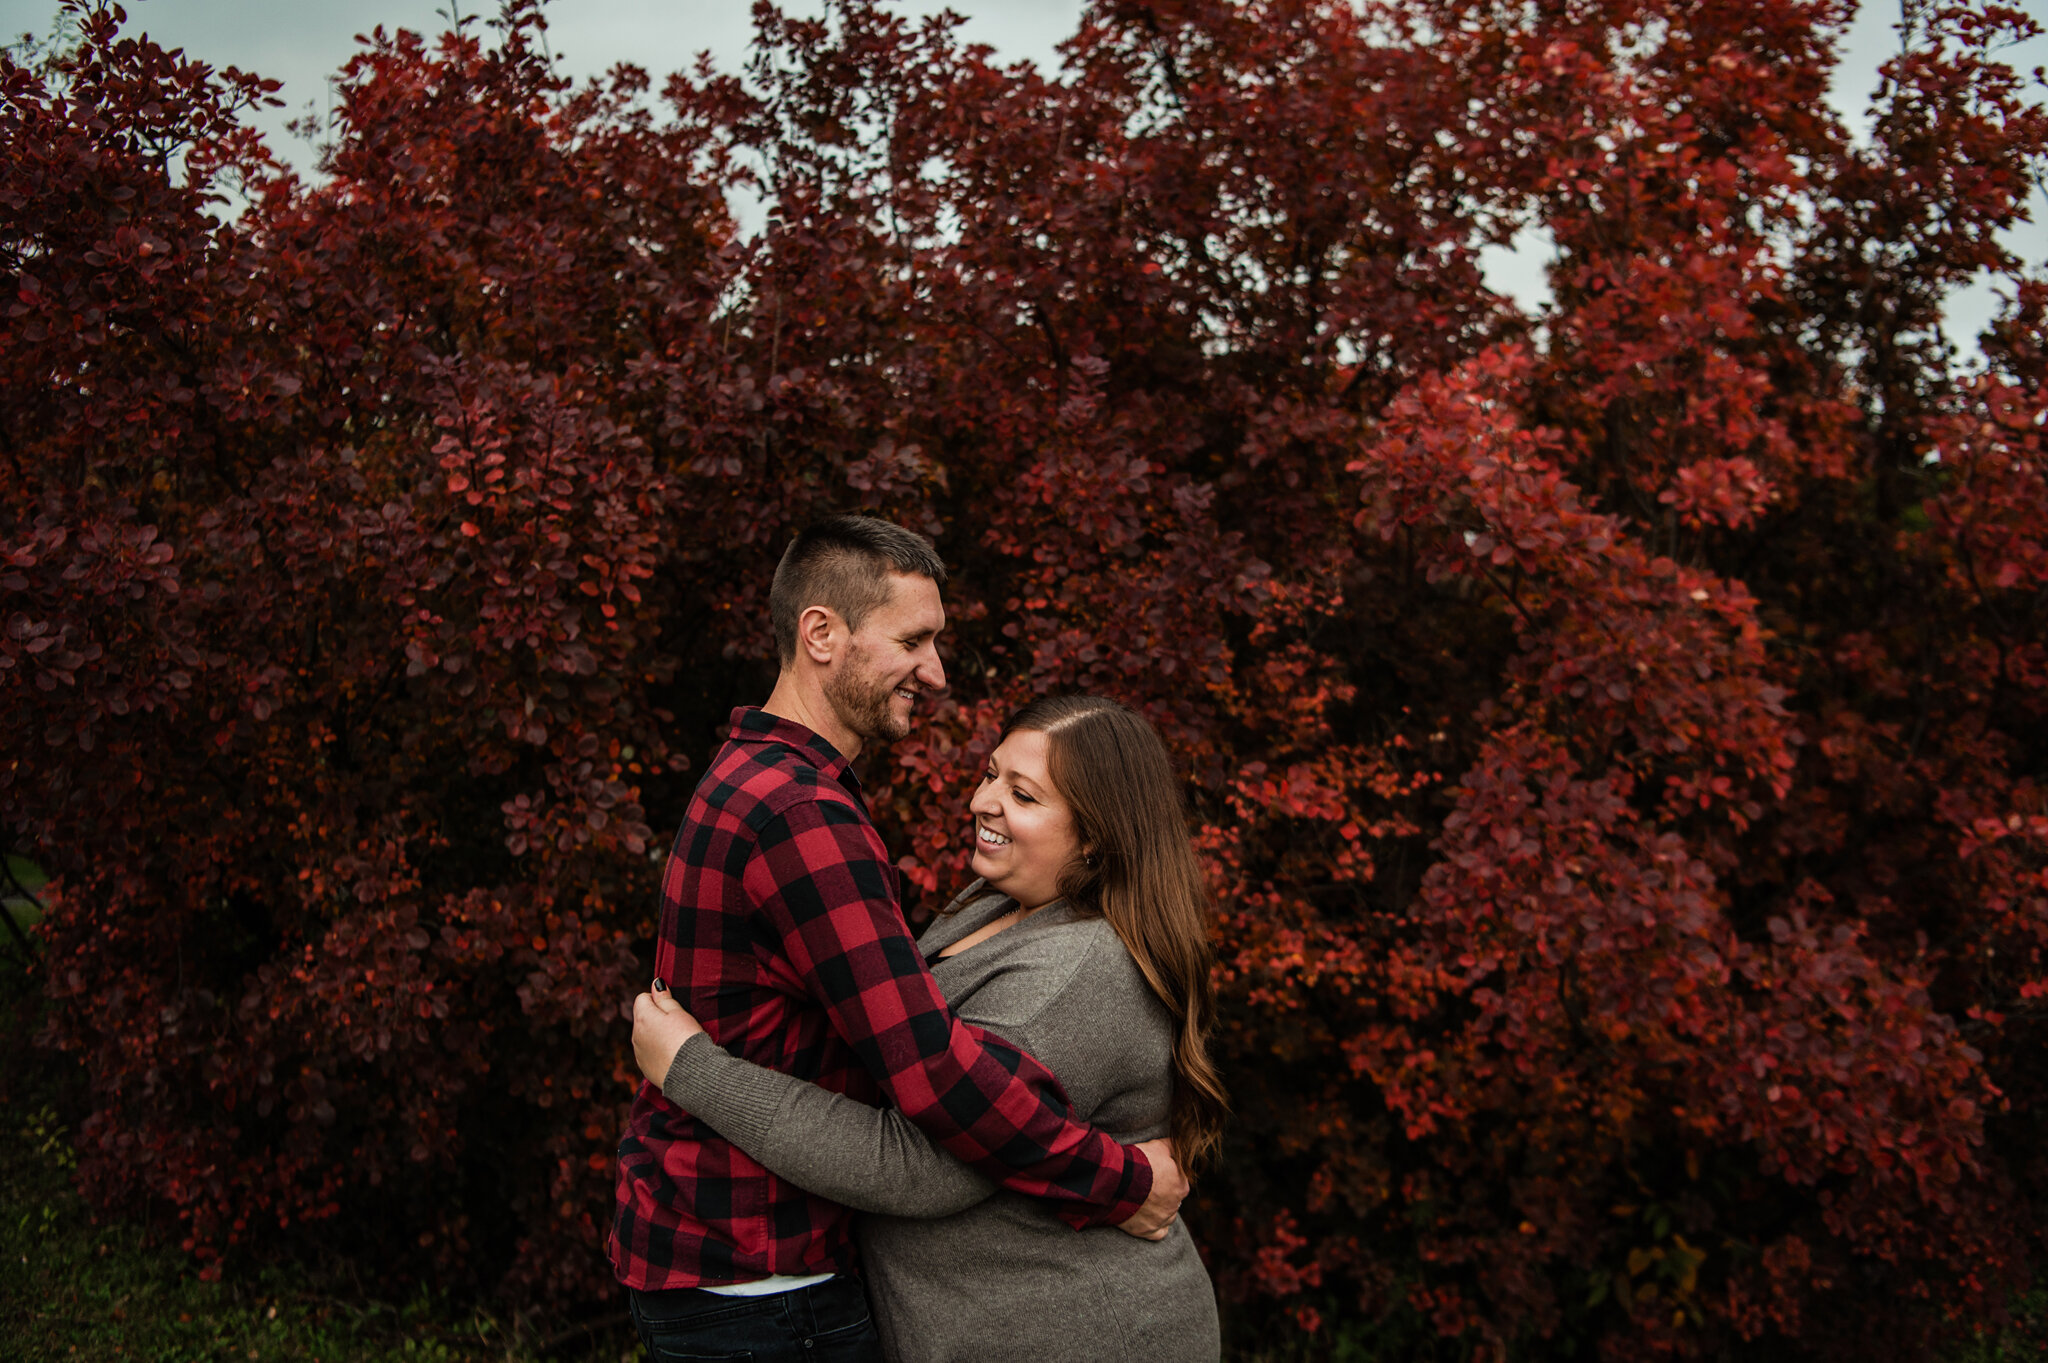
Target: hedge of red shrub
x,y
1617,733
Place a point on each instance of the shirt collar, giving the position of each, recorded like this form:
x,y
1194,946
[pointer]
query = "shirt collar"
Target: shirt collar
x,y
751,724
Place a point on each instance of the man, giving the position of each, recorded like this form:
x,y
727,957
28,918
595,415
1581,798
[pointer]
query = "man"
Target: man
x,y
781,930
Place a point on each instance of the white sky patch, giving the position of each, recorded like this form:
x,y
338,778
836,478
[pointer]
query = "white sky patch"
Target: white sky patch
x,y
304,45
1520,269
1872,40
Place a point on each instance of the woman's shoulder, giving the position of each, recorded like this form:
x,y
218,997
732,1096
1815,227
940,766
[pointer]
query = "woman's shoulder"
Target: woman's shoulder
x,y
1077,931
1106,960
1101,993
1093,959
1061,948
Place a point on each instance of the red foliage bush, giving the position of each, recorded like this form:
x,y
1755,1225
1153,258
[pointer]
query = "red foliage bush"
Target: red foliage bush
x,y
1617,733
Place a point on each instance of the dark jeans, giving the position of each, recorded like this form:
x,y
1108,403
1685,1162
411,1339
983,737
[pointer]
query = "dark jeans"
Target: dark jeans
x,y
824,1323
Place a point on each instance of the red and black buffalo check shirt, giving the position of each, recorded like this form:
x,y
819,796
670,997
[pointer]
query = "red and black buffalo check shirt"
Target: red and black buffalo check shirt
x,y
781,930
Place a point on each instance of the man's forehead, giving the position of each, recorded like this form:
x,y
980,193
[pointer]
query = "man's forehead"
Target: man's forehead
x,y
913,603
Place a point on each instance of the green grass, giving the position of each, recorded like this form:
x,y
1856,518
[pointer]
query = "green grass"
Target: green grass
x,y
2023,1339
74,1290
78,1291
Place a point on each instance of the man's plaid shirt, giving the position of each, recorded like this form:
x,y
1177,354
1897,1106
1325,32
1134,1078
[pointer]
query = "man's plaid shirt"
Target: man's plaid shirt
x,y
781,930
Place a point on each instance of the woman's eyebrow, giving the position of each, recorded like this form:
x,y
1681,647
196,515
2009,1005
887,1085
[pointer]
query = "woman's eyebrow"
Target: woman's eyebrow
x,y
1019,778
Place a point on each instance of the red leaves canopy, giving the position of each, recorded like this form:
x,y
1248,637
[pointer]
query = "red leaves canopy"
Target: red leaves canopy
x,y
1616,735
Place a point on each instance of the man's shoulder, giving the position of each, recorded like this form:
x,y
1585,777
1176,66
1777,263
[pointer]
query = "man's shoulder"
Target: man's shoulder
x,y
756,783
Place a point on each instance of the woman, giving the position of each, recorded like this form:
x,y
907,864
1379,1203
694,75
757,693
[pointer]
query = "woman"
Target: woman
x,y
1085,943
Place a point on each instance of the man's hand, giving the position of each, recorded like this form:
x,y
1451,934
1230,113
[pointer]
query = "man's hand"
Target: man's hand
x,y
1169,1186
660,1027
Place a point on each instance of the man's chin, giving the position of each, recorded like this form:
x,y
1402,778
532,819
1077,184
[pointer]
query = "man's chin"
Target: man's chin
x,y
885,727
897,722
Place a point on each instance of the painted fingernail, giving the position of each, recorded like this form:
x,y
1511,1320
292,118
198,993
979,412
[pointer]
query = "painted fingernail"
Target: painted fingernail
x,y
659,987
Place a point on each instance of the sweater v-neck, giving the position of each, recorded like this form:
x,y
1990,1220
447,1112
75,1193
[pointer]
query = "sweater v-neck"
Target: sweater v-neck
x,y
982,908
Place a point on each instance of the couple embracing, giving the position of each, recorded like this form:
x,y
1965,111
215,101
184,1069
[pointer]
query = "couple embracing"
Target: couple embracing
x,y
996,1115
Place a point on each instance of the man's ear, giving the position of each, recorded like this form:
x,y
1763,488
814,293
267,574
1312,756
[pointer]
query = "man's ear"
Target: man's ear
x,y
817,634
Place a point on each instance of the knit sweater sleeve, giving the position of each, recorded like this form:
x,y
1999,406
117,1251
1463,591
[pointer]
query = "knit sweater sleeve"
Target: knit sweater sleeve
x,y
870,1159
1071,999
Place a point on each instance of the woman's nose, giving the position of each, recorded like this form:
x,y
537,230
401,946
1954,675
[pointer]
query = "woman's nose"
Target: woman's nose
x,y
985,801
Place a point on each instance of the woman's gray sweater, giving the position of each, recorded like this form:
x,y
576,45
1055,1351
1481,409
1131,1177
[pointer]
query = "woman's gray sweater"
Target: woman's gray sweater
x,y
957,1269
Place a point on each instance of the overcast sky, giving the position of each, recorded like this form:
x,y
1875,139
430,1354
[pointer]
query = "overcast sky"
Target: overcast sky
x,y
303,42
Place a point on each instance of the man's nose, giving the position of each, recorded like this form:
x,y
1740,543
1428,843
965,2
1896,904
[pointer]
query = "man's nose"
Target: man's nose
x,y
931,673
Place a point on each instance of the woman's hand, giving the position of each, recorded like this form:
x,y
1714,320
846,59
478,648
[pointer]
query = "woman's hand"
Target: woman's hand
x,y
660,1027
1170,1187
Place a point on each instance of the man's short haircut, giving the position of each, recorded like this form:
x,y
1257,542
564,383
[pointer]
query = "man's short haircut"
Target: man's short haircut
x,y
843,563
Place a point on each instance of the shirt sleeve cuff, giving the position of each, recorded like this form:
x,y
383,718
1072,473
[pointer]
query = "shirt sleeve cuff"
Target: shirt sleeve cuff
x,y
1130,1196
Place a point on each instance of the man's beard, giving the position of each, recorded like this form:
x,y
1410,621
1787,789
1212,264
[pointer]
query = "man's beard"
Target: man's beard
x,y
861,701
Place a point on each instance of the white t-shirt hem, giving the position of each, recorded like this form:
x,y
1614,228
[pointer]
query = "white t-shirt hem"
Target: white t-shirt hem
x,y
770,1285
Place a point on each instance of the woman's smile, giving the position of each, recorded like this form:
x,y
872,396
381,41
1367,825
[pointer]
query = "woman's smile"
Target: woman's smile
x,y
1024,835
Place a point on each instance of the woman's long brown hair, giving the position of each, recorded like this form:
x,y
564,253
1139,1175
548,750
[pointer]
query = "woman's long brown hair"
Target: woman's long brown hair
x,y
1140,874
